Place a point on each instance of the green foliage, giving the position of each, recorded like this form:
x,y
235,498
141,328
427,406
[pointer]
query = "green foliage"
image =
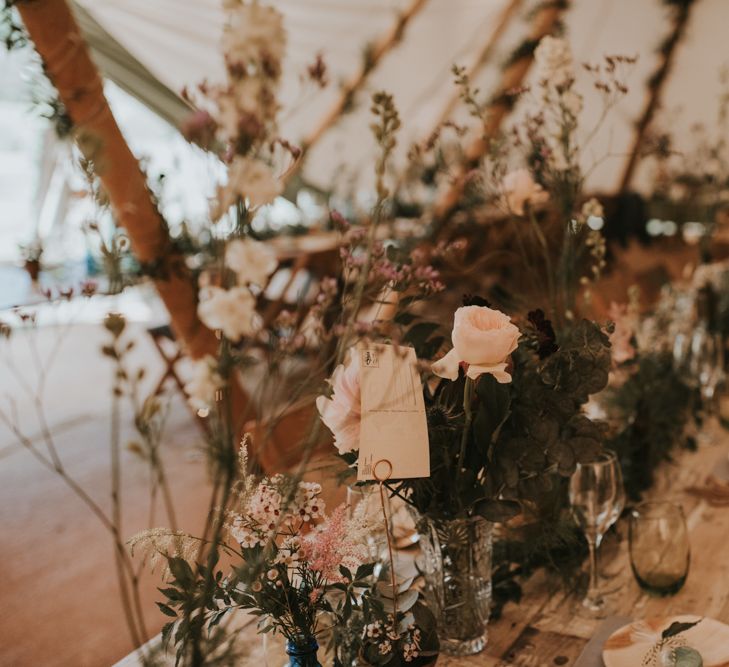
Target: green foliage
x,y
522,437
193,604
652,408
416,626
551,542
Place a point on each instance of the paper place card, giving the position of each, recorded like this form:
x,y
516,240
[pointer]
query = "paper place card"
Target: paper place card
x,y
394,427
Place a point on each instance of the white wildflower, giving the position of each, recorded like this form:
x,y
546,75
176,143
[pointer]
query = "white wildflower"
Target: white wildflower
x,y
373,630
204,384
289,552
519,189
592,208
232,311
246,535
572,103
157,544
553,61
248,180
253,32
252,261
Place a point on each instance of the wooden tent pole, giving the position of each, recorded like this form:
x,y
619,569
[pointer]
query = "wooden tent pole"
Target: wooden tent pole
x,y
482,59
655,88
544,23
57,39
378,51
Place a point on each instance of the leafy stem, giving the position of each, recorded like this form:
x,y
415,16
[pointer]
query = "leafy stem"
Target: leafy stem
x,y
468,392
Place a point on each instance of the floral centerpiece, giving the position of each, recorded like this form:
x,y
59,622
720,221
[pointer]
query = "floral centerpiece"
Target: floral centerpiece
x,y
505,425
303,572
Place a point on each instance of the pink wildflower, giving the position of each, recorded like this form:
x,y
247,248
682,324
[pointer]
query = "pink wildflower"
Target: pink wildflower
x,y
336,542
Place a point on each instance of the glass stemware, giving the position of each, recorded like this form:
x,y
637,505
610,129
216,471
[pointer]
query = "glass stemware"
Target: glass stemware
x,y
597,499
659,547
707,361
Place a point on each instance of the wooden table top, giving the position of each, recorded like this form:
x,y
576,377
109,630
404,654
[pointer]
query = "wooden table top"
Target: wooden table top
x,y
549,626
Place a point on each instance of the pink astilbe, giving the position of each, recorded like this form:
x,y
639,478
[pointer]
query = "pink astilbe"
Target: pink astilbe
x,y
338,541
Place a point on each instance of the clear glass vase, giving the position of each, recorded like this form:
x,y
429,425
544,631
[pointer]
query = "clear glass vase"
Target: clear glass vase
x,y
456,563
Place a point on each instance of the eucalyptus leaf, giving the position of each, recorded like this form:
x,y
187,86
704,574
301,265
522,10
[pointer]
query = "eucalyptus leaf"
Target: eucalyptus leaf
x,y
384,588
407,600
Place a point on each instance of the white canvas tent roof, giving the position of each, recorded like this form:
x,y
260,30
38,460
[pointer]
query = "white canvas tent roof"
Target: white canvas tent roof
x,y
178,41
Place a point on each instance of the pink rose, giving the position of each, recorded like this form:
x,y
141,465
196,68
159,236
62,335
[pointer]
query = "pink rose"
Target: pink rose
x,y
484,339
342,413
519,189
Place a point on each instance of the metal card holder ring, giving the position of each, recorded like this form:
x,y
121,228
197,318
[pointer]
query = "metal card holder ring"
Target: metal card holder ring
x,y
381,481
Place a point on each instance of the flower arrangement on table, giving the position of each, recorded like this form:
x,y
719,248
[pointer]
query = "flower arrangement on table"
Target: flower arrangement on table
x,y
505,425
301,570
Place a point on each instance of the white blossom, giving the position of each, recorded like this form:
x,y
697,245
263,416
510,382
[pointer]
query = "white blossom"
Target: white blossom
x,y
572,102
553,61
519,188
592,208
250,180
252,261
204,384
232,311
253,32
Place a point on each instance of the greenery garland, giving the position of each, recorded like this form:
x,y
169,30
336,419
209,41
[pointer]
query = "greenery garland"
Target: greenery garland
x,y
653,407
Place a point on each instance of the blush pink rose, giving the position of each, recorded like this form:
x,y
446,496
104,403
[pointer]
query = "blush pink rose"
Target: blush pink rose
x,y
483,338
519,189
342,413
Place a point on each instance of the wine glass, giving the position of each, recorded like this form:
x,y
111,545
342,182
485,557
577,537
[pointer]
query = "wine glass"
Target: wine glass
x,y
707,369
707,361
597,500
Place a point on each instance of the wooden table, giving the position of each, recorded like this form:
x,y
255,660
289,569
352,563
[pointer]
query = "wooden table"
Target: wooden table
x,y
549,626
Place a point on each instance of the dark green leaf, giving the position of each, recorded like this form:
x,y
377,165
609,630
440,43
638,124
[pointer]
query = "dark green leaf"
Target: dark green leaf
x,y
181,571
498,511
167,611
405,318
166,632
677,627
171,594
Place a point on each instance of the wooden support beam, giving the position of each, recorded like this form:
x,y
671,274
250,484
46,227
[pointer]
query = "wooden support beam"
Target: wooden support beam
x,y
655,89
544,23
483,57
57,39
374,56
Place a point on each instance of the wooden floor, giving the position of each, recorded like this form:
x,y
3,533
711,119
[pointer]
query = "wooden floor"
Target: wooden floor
x,y
59,603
